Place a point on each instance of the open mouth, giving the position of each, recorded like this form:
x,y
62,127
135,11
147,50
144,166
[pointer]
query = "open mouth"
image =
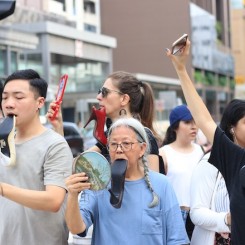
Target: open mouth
x,y
10,115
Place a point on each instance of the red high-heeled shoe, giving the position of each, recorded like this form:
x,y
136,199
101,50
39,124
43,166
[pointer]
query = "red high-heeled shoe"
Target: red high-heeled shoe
x,y
99,115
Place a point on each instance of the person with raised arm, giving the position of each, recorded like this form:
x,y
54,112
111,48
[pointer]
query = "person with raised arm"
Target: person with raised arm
x,y
227,156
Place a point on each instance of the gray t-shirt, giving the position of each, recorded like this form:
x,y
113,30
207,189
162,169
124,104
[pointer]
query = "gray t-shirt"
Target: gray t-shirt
x,y
43,160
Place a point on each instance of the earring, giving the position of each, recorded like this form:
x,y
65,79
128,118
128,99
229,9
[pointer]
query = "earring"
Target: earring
x,y
122,112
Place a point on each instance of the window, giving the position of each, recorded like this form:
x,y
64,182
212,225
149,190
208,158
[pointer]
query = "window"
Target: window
x,y
74,7
90,28
3,58
63,3
89,6
13,61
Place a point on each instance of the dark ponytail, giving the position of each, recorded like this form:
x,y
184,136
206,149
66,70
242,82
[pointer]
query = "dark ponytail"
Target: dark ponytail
x,y
170,135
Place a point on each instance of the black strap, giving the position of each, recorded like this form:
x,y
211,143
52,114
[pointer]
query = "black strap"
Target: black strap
x,y
161,165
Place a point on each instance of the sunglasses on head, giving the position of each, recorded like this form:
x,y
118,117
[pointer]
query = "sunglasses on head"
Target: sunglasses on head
x,y
105,91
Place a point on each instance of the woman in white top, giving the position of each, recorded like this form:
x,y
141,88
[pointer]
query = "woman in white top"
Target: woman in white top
x,y
181,155
209,204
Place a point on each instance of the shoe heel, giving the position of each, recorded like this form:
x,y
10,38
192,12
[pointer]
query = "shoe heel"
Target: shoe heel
x,y
99,115
91,118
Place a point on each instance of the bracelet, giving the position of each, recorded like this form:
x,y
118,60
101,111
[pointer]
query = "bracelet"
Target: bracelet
x,y
1,188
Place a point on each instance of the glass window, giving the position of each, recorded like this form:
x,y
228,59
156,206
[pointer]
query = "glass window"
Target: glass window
x,y
88,27
13,61
209,78
83,75
31,61
63,2
3,60
89,6
74,7
211,101
222,80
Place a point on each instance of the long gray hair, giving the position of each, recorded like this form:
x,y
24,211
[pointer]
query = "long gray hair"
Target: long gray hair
x,y
139,129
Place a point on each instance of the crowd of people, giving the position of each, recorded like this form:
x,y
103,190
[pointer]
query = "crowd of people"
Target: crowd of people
x,y
174,190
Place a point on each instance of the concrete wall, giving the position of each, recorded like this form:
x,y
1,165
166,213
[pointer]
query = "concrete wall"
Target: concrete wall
x,y
143,30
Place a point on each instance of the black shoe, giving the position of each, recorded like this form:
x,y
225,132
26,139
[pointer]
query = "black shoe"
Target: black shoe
x,y
118,172
7,144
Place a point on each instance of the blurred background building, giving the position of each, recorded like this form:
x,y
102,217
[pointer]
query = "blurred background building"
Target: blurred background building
x,y
88,39
213,63
238,45
57,37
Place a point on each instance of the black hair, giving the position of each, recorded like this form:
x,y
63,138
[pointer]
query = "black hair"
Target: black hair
x,y
37,84
234,111
170,135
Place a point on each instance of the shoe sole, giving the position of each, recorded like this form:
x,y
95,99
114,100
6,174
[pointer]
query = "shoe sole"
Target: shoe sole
x,y
118,171
7,144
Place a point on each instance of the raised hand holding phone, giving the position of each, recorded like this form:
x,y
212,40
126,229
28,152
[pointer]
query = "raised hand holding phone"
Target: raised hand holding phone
x,y
179,44
60,93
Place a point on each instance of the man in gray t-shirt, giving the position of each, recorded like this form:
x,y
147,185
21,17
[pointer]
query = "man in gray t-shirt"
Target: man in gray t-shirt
x,y
33,192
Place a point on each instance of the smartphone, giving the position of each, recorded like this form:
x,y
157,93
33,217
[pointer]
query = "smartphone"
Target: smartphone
x,y
179,44
60,92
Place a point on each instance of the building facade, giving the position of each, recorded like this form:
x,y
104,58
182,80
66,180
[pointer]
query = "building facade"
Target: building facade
x,y
56,38
238,45
144,29
88,39
213,62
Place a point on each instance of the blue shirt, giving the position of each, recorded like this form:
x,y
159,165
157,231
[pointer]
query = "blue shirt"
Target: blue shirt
x,y
135,223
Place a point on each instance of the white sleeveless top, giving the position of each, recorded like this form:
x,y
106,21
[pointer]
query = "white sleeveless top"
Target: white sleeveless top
x,y
180,168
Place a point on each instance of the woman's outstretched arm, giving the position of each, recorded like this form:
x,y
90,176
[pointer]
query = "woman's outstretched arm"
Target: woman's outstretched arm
x,y
195,103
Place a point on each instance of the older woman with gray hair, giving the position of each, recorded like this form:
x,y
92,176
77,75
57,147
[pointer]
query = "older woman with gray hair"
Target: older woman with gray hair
x,y
149,213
